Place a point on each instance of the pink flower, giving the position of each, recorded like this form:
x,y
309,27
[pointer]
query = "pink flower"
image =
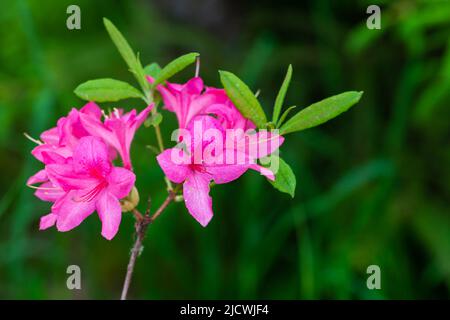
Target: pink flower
x,y
47,191
197,175
117,130
191,99
64,137
86,182
191,102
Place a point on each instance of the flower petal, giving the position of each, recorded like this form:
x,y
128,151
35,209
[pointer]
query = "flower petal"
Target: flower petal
x,y
92,109
110,213
121,181
91,157
49,192
72,212
226,173
174,172
197,199
259,145
50,136
40,176
98,129
47,221
62,175
264,171
140,118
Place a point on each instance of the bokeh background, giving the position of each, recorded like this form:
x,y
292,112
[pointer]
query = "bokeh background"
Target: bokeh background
x,y
372,184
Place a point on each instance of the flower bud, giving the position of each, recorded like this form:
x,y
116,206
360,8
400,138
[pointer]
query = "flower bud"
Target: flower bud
x,y
130,201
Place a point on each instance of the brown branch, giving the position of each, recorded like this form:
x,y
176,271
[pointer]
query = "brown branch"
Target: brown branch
x,y
141,225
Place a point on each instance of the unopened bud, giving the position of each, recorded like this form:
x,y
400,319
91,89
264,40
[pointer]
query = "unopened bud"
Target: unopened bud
x,y
130,201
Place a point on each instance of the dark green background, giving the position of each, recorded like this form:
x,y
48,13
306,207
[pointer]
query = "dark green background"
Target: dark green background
x,y
373,184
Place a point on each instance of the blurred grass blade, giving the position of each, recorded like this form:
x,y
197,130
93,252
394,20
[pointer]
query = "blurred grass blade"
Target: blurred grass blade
x,y
106,90
281,95
321,111
284,115
243,98
175,66
284,178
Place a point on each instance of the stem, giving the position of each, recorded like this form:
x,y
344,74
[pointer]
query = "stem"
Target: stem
x,y
148,100
142,223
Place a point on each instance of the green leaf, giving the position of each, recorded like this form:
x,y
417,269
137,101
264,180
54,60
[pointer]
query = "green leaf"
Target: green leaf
x,y
284,115
127,53
321,112
106,90
175,66
284,178
243,98
152,70
281,95
154,120
122,45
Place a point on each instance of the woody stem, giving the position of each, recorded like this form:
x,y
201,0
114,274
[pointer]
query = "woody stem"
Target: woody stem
x,y
142,223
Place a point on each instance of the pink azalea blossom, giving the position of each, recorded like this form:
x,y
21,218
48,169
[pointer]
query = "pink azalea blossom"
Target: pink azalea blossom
x,y
64,137
86,182
117,130
47,191
192,99
196,177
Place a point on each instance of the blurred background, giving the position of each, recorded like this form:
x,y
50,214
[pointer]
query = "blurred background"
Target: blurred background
x,y
372,184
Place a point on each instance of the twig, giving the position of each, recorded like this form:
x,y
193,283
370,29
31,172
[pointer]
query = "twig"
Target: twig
x,y
142,223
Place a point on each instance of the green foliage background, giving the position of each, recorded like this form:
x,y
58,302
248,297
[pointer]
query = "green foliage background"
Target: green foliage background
x,y
373,184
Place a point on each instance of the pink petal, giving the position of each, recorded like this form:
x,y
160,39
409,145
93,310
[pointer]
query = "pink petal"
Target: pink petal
x,y
194,86
197,106
38,151
49,192
264,171
197,199
140,118
169,99
50,136
110,213
40,176
72,212
261,144
122,135
174,172
92,109
121,181
47,221
226,173
91,156
52,157
98,129
62,175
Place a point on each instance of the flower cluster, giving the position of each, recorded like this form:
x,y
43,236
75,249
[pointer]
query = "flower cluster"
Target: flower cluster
x,y
209,109
79,176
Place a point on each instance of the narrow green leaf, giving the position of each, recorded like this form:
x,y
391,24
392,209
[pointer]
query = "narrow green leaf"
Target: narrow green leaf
x,y
284,178
152,70
321,111
175,66
281,95
106,90
243,98
121,43
284,115
131,59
